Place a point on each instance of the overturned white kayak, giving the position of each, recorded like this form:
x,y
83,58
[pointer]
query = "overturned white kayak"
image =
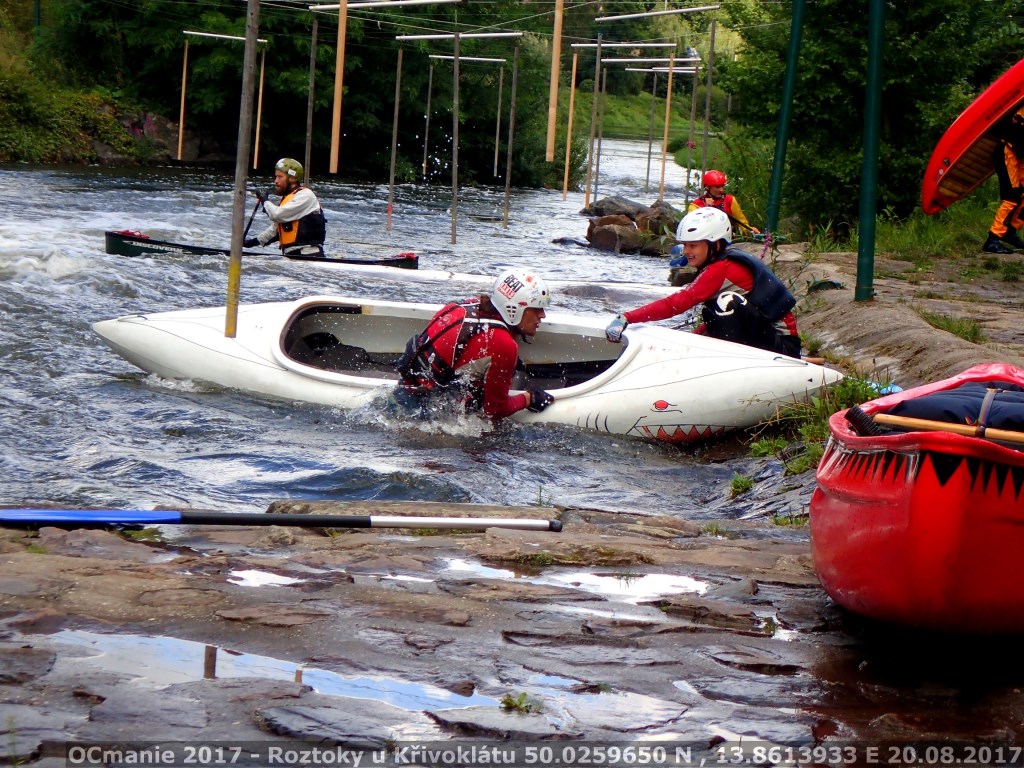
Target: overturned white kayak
x,y
659,384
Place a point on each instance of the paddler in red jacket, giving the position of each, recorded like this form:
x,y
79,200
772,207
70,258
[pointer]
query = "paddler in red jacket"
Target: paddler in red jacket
x,y
743,300
467,355
714,197
298,223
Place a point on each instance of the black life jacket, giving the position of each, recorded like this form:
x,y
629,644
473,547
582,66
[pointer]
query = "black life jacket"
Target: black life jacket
x,y
424,367
769,294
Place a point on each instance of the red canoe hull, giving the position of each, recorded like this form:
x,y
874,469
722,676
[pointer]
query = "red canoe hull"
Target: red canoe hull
x,y
923,529
963,157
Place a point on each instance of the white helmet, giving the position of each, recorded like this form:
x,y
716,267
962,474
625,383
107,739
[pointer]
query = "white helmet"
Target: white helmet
x,y
709,224
515,290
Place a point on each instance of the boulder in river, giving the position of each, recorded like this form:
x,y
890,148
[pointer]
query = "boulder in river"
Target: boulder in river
x,y
624,226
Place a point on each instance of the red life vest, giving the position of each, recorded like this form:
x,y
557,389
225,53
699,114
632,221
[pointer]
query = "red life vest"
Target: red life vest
x,y
430,357
724,204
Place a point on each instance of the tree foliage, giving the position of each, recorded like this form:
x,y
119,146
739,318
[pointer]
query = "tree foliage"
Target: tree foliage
x,y
938,54
136,50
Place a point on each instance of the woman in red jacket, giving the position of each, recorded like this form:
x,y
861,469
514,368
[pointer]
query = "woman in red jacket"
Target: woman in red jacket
x,y
743,300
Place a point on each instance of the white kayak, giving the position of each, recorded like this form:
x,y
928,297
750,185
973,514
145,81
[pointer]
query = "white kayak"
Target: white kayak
x,y
659,384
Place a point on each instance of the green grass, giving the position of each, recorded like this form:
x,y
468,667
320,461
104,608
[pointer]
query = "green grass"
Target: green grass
x,y
790,520
953,234
740,484
521,703
966,328
629,117
799,432
711,529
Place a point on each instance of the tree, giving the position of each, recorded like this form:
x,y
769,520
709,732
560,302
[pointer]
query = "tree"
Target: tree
x,y
938,55
134,51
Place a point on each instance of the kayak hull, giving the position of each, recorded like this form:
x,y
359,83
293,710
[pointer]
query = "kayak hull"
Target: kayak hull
x,y
661,384
131,243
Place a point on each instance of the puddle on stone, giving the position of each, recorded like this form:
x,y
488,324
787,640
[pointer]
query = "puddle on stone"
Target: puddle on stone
x,y
651,614
253,578
401,577
161,661
771,627
551,681
628,587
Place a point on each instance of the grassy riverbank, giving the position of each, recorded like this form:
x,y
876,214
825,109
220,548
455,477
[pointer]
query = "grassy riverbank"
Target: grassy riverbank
x,y
43,122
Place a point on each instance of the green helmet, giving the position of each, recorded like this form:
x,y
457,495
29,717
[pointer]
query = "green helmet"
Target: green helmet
x,y
293,168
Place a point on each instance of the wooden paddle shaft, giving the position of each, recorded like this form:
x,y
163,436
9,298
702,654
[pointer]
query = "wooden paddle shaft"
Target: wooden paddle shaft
x,y
1004,435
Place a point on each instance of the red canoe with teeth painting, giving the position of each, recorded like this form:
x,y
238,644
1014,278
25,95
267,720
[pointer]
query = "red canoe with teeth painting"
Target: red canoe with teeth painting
x,y
918,517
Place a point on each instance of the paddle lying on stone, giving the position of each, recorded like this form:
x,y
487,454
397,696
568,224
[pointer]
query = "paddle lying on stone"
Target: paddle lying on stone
x,y
98,518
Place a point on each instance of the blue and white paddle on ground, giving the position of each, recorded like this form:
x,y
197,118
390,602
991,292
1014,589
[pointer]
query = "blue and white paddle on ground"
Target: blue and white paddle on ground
x,y
98,518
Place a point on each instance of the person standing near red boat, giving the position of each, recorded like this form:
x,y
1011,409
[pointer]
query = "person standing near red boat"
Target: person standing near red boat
x,y
298,223
743,300
1008,160
715,197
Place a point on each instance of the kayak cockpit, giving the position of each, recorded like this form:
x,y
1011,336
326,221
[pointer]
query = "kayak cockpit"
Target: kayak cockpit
x,y
366,341
313,337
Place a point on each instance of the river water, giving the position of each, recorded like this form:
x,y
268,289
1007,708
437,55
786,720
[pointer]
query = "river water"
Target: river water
x,y
81,427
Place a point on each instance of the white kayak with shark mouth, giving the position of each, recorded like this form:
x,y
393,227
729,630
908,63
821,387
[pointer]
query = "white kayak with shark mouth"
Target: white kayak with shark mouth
x,y
658,384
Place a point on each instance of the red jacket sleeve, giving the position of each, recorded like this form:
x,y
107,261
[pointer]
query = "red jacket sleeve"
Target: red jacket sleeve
x,y
503,352
707,284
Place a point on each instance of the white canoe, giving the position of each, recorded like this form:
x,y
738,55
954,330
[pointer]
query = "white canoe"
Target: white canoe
x,y
659,384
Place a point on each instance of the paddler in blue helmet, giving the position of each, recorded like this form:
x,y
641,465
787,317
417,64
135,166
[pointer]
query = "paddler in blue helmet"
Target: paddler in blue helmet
x,y
298,223
743,300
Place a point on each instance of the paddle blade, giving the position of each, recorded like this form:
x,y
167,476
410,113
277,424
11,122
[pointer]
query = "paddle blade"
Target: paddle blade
x,y
85,517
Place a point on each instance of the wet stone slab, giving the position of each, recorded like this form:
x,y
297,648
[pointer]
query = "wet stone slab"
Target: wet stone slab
x,y
622,631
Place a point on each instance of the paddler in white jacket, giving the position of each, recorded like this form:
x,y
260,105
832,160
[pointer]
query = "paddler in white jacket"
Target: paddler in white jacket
x,y
299,226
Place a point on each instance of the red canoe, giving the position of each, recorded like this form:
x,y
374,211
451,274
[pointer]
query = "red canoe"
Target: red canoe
x,y
924,528
963,157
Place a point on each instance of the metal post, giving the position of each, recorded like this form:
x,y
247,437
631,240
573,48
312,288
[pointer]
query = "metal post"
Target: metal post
x,y
690,142
556,55
568,130
668,117
869,168
600,130
181,117
455,139
511,130
497,121
707,99
785,114
426,128
339,76
650,132
394,140
593,121
241,164
309,101
259,113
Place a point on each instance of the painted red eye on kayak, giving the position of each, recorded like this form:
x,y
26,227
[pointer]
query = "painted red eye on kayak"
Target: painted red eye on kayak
x,y
661,405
